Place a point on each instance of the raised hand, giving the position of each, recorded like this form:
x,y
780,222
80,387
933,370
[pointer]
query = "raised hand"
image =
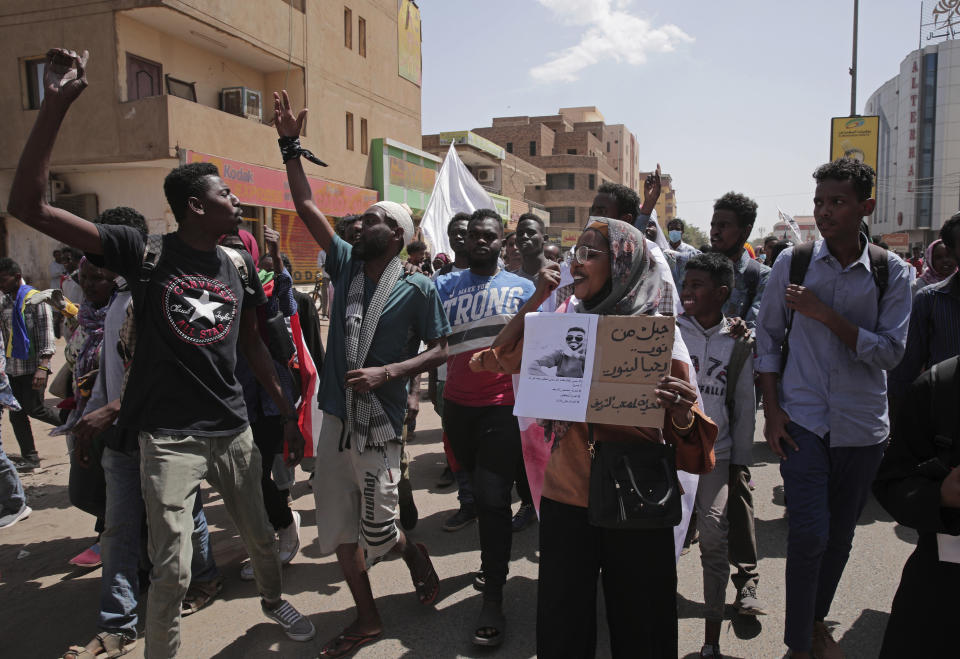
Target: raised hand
x,y
287,124
651,191
65,75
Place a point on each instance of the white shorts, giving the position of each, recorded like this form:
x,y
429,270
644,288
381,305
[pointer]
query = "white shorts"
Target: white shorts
x,y
355,493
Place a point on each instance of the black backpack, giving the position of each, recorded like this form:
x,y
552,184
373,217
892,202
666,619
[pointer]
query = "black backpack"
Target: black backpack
x,y
800,262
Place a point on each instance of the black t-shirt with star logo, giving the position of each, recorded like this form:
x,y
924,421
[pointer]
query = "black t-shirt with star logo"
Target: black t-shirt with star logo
x,y
188,320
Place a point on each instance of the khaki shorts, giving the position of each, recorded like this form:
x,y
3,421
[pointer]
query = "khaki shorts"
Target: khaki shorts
x,y
355,493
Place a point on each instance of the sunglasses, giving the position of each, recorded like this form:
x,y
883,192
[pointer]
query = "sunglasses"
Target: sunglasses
x,y
583,254
574,337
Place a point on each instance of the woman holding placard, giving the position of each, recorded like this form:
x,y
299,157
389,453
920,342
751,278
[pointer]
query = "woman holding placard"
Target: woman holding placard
x,y
614,274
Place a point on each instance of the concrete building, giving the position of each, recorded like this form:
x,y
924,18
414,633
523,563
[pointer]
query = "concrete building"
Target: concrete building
x,y
918,163
177,81
577,151
503,175
667,203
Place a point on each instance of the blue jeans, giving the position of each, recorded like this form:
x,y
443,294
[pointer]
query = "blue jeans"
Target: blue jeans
x,y
826,490
11,489
123,543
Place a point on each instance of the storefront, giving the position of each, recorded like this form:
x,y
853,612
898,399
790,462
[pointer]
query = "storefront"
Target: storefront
x,y
266,200
403,174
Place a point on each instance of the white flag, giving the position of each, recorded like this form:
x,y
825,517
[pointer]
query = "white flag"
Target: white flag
x,y
792,223
456,191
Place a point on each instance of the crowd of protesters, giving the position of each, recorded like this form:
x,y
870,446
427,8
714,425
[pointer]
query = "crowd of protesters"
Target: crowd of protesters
x,y
188,358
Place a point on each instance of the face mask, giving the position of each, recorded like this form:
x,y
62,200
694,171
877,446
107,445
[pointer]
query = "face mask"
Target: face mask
x,y
675,235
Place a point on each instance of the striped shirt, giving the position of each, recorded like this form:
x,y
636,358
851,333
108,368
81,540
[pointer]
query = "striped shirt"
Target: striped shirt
x,y
478,307
39,320
934,333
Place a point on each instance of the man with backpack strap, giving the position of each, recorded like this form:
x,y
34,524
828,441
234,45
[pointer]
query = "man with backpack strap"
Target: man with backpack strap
x,y
193,313
825,404
730,226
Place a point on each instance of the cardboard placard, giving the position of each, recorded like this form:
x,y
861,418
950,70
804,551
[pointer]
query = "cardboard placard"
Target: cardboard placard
x,y
624,355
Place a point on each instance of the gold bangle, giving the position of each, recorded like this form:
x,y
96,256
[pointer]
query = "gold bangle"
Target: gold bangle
x,y
386,372
683,428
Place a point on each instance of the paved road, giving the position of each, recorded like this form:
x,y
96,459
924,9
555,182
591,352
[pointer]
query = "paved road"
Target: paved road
x,y
47,605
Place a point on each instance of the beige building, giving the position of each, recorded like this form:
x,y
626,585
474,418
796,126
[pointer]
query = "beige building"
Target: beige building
x,y
577,151
503,175
176,81
667,203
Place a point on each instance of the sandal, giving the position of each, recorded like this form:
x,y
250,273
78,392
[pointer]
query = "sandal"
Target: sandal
x,y
491,618
105,646
427,587
346,643
199,595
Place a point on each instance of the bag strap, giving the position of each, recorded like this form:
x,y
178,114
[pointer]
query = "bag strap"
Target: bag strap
x,y
879,268
240,264
799,263
742,350
152,250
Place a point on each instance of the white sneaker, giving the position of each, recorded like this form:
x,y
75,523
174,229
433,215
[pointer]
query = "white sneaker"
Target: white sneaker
x,y
246,571
290,539
9,520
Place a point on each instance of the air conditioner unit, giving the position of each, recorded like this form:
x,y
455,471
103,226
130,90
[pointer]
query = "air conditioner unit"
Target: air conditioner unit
x,y
486,175
242,101
84,204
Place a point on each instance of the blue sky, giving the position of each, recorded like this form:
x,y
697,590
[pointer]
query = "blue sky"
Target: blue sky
x,y
733,95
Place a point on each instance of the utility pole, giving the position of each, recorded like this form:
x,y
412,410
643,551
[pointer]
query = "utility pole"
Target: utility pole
x,y
853,66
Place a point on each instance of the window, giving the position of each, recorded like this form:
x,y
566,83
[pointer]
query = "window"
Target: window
x,y
34,77
560,181
364,149
349,131
362,37
187,90
592,181
533,148
571,152
143,78
608,147
347,28
509,147
296,4
563,214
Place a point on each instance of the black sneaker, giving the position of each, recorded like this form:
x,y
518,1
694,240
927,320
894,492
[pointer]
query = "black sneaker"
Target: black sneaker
x,y
524,517
461,518
27,464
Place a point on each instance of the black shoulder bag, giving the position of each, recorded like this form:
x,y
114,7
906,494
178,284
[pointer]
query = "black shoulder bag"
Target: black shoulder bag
x,y
633,485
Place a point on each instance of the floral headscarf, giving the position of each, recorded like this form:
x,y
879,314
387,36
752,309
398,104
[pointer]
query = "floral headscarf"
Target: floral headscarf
x,y
634,284
931,276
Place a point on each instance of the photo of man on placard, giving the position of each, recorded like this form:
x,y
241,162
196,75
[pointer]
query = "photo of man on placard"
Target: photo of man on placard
x,y
569,360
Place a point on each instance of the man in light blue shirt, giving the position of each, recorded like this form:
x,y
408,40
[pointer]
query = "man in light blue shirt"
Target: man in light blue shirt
x,y
826,416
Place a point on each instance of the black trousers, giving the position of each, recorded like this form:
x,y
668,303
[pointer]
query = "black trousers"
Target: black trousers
x,y
268,438
486,443
31,402
925,610
639,587
742,534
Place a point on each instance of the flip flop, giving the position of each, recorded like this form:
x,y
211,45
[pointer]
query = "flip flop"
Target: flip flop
x,y
111,645
346,643
429,586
